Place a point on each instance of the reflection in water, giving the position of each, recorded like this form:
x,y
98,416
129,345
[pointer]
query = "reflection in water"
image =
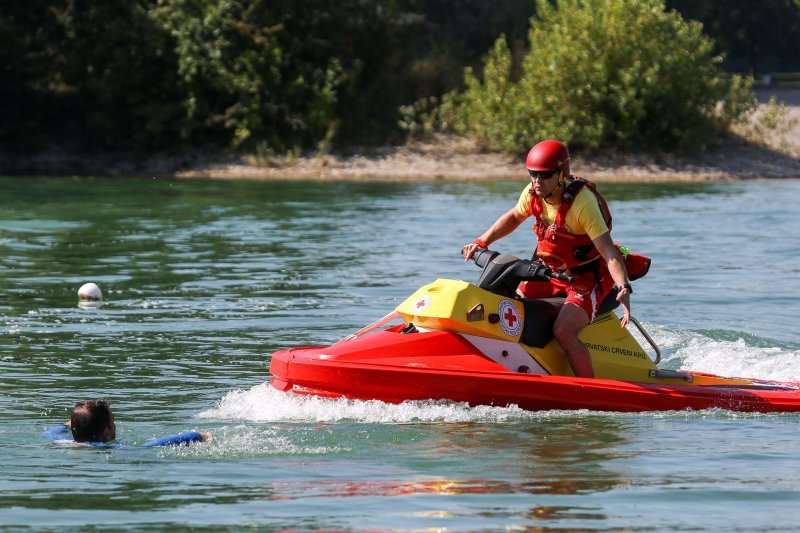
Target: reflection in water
x,y
563,457
559,512
560,456
566,456
343,488
578,456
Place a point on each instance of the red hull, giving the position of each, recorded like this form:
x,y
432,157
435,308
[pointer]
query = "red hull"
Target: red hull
x,y
381,369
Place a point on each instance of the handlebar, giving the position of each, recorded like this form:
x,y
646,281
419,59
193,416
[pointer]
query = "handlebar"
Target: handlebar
x,y
482,256
562,277
536,270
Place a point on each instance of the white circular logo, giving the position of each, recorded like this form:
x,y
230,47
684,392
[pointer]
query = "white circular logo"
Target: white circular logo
x,y
422,303
510,319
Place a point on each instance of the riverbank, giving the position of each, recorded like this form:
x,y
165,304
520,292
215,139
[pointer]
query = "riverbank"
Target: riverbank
x,y
453,158
767,147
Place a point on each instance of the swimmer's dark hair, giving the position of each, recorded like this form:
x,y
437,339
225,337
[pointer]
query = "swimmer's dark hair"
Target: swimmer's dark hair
x,y
93,421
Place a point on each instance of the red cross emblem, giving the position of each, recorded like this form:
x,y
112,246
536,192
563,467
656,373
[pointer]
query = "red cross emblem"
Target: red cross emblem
x,y
422,303
511,321
510,317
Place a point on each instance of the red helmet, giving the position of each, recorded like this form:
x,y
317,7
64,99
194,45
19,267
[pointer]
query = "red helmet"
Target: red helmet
x,y
548,155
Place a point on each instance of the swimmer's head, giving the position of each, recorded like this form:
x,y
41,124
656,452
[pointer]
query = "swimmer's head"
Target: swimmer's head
x,y
93,421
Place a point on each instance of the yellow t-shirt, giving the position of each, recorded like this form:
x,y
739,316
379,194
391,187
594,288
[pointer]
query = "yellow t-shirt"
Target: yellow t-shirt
x,y
584,217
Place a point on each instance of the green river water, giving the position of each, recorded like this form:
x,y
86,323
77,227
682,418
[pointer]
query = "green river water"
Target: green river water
x,y
204,279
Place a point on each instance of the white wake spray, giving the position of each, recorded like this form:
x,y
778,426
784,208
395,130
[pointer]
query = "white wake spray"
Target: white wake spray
x,y
732,358
262,403
682,349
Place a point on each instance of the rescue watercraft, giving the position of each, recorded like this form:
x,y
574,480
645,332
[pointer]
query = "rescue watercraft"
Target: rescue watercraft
x,y
478,343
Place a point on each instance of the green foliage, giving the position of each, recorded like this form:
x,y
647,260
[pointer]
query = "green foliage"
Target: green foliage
x,y
771,125
119,63
269,76
489,101
603,73
279,76
422,118
244,77
96,72
757,37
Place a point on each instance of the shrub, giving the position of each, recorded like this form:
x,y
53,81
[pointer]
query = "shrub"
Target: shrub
x,y
279,75
244,76
602,73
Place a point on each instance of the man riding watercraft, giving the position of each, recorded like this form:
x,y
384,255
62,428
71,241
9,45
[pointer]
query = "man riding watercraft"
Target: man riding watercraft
x,y
489,343
573,229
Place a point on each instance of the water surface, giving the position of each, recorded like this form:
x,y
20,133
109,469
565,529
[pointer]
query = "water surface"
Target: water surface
x,y
204,279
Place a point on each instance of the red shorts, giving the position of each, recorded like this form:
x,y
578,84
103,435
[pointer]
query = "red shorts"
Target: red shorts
x,y
587,291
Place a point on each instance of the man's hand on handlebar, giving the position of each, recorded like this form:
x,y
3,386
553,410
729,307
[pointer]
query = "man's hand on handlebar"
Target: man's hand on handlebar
x,y
468,250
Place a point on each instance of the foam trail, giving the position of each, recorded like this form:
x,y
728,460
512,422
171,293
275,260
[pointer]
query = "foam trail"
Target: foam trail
x,y
740,357
248,440
262,403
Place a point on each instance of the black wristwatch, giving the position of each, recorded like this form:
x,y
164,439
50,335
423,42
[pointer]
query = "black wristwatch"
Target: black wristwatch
x,y
624,286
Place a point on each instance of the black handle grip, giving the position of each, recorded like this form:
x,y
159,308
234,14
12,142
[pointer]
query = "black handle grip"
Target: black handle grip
x,y
562,277
482,256
542,272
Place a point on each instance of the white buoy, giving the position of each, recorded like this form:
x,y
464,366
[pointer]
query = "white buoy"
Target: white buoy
x,y
89,293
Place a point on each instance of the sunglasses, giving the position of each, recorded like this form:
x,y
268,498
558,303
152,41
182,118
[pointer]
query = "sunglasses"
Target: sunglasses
x,y
542,174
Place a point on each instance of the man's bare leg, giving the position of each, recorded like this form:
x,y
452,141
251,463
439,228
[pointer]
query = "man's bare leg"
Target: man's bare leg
x,y
571,320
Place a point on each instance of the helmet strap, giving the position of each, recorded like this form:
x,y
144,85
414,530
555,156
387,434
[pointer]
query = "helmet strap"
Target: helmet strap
x,y
558,188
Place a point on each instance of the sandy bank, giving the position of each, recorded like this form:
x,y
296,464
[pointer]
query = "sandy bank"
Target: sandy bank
x,y
452,158
751,154
759,150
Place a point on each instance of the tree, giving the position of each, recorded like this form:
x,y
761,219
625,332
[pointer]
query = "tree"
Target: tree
x,y
602,73
97,73
757,38
284,74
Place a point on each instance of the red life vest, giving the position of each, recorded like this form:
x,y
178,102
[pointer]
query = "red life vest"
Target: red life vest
x,y
558,247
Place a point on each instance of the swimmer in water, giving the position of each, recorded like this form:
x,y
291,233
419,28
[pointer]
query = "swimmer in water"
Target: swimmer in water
x,y
92,422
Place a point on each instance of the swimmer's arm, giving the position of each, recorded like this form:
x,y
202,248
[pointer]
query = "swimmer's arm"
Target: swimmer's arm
x,y
60,432
182,439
